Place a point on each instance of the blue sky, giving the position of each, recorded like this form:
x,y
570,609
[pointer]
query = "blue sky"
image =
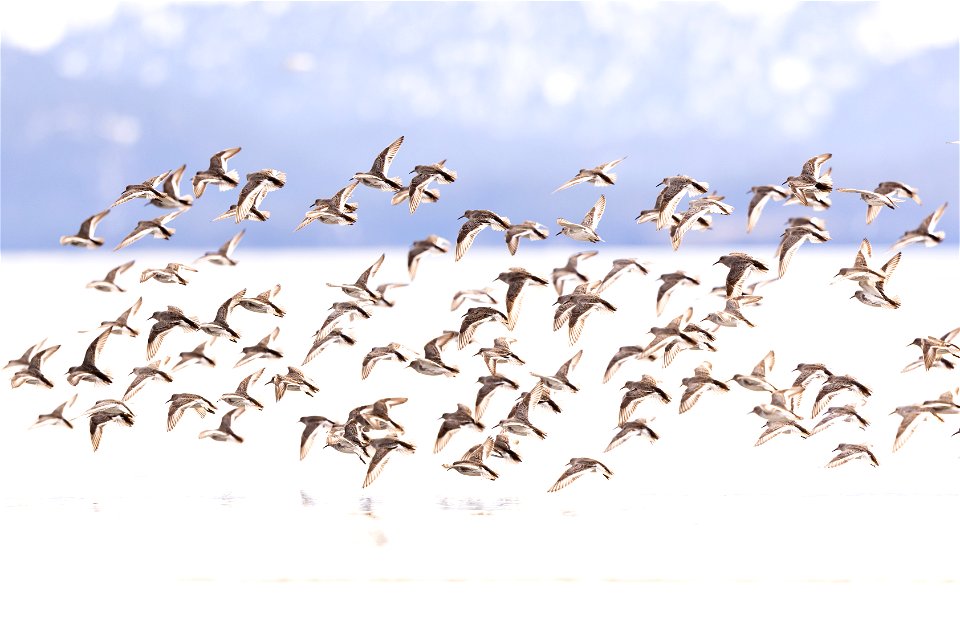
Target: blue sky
x,y
517,97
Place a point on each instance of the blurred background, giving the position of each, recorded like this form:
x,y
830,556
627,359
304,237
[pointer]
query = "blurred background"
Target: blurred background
x,y
517,98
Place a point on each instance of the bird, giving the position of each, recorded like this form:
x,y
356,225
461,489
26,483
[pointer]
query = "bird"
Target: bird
x,y
453,421
671,280
569,271
476,221
377,354
526,229
757,380
217,173
224,255
586,231
472,462
253,214
875,201
776,427
637,391
382,448
431,364
674,188
850,452
898,189
560,380
835,385
599,176
241,397
181,402
165,321
377,177
762,195
500,352
696,210
576,468
146,189
623,354
472,295
782,407
731,315
225,432
196,355
846,413
502,448
219,327
262,303
933,349
740,265
85,237
701,381
108,284
30,373
292,380
336,210
923,233
359,289
425,174
156,227
349,439
627,430
428,195
790,241
488,385
101,418
260,350
121,325
88,371
942,361
619,267
518,421
473,318
311,426
341,311
517,279
259,184
171,190
376,416
149,372
811,183
432,244
809,373
56,416
382,289
910,415
169,274
322,340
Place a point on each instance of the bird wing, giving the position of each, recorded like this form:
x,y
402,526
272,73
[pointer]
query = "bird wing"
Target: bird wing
x,y
382,163
592,219
468,233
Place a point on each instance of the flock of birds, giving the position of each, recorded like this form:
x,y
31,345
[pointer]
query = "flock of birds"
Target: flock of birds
x,y
372,435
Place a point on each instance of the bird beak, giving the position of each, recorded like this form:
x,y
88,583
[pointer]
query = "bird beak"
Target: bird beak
x,y
558,233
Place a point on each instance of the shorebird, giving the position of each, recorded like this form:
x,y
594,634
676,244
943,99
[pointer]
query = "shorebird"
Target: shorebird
x,y
102,418
260,350
262,303
923,233
502,449
696,209
757,380
775,427
453,422
425,174
254,214
599,176
348,438
341,311
377,354
259,184
560,380
850,452
488,385
196,355
622,355
812,223
171,190
578,467
376,416
671,280
740,265
473,318
811,183
578,308
181,402
149,372
323,339
668,199
731,315
517,279
146,189
31,374
911,415
790,241
762,195
875,201
432,243
476,221
359,289
157,228
56,416
85,237
618,268
637,391
835,385
782,407
428,195
219,327
165,322
311,426
569,271
526,229
225,432
382,289
292,380
586,231
933,349
87,371
517,421
431,364
472,295
846,413
944,358
224,255
500,352
240,397
121,325
898,189
382,448
701,381
692,337
217,173
809,373
169,274
108,284
377,177
472,462
627,430
335,210
871,281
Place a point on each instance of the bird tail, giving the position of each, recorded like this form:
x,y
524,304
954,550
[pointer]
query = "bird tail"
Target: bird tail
x,y
232,175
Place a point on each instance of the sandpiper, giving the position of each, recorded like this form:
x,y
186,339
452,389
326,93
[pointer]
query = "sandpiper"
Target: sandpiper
x,y
431,364
217,173
472,295
500,352
850,452
262,303
599,176
322,340
811,183
169,274
586,231
260,350
473,318
121,325
777,427
488,385
757,380
638,428
701,381
359,289
425,174
731,315
846,413
696,209
622,355
165,322
740,265
382,289
31,373
674,189
618,268
225,432
453,422
559,381
311,426
341,311
56,416
578,467
432,244
391,351
762,195
292,380
428,195
240,397
102,418
377,177
181,402
382,448
783,405
196,355
790,241
835,385
259,184
569,271
224,255
472,462
875,201
933,349
146,189
518,421
85,237
671,280
476,221
637,391
87,371
157,228
526,229
149,372
517,279
108,284
171,190
923,233
219,326
336,210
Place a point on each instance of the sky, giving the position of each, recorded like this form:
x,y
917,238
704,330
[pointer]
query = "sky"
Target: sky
x,y
517,97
